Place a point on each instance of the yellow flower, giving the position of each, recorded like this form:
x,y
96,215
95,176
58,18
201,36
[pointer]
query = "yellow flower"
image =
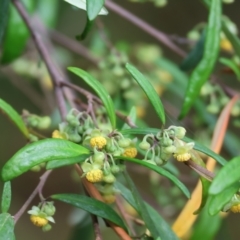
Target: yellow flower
x,y
38,221
98,142
58,134
226,45
95,175
182,152
130,152
182,157
235,208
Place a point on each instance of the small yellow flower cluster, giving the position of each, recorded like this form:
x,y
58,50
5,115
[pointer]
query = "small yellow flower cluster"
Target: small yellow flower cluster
x,y
130,152
182,157
58,134
95,175
38,221
235,208
98,142
226,45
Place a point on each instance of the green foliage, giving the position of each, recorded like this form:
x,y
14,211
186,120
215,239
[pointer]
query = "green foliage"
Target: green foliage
x,y
227,176
160,171
164,230
149,90
6,197
6,226
91,205
40,152
16,34
93,8
232,65
218,201
203,70
99,89
14,116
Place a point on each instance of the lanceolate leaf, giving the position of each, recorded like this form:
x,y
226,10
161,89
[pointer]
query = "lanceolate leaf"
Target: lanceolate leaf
x,y
14,116
16,34
150,224
6,227
203,70
161,171
218,201
4,6
100,90
149,90
227,176
197,146
164,230
93,8
65,162
92,206
6,196
39,152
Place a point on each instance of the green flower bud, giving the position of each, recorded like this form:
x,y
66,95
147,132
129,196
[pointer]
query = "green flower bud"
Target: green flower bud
x,y
98,157
44,123
213,108
49,209
109,178
159,161
124,142
144,145
74,138
115,169
165,142
96,166
46,228
36,168
180,132
170,149
235,110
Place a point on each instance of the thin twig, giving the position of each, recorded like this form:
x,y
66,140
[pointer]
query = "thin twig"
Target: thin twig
x,y
96,227
37,190
200,170
160,36
52,69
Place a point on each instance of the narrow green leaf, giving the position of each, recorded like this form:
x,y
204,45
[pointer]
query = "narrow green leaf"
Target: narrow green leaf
x,y
82,5
6,227
150,224
203,70
131,116
199,147
65,162
231,64
149,91
195,56
100,90
13,116
93,8
227,176
4,7
161,171
164,230
92,206
16,34
6,197
218,201
39,152
206,226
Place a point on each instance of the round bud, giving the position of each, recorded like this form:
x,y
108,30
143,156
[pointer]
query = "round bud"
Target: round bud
x,y
109,178
44,123
213,108
180,132
74,122
99,157
74,138
144,145
159,161
49,209
170,149
115,169
165,142
36,168
235,110
46,228
69,118
124,142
